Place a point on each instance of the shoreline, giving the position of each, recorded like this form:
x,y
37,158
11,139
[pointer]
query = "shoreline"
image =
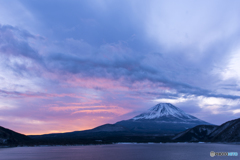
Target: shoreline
x,y
124,143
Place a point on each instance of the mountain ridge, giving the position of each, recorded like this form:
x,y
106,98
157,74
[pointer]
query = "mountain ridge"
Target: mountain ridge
x,y
195,134
12,138
227,132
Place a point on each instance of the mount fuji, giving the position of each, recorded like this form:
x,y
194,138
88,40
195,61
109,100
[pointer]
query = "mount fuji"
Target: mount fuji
x,y
164,118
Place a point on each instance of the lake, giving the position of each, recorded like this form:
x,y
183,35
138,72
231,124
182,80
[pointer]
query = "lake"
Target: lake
x,y
164,151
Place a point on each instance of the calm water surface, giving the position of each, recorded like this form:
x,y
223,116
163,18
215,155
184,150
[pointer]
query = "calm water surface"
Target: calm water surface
x,y
168,151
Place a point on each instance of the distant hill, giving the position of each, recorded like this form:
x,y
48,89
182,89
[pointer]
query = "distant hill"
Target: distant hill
x,y
227,132
11,138
196,134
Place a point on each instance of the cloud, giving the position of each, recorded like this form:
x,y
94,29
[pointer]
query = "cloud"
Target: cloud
x,y
125,56
14,42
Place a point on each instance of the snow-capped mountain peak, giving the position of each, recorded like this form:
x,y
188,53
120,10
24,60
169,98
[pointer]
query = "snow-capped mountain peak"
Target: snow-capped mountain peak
x,y
164,110
164,118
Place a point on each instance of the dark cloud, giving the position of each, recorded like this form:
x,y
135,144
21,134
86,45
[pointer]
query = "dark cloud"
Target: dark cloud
x,y
14,42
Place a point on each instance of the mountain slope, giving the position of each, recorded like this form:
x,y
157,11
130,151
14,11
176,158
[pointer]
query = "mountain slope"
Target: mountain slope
x,y
195,134
163,119
227,132
9,137
109,128
100,131
107,133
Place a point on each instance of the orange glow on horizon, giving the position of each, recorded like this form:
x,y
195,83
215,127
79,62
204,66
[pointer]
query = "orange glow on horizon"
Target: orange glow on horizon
x,y
56,131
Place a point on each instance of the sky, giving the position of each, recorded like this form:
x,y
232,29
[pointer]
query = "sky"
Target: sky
x,y
73,65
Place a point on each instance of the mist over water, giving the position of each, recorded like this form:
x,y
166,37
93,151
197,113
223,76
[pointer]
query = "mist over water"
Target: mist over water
x,y
168,151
